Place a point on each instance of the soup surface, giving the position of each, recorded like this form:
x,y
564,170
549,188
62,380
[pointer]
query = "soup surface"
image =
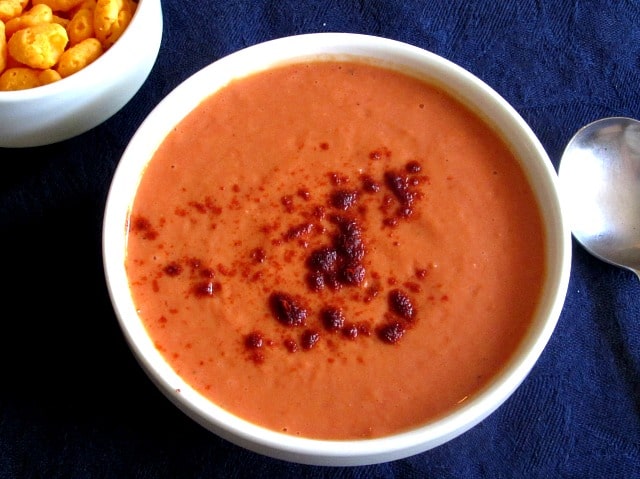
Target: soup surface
x,y
335,250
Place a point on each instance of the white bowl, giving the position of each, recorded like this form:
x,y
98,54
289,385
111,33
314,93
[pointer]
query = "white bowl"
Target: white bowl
x,y
464,86
71,106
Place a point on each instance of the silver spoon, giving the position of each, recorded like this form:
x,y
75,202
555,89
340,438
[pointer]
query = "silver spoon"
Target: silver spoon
x,y
599,178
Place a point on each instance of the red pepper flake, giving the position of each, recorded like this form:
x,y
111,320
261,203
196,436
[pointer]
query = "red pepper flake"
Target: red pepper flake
x,y
206,289
338,179
289,255
332,318
399,186
225,270
291,345
257,276
257,357
391,333
403,185
304,194
211,206
369,185
380,153
254,340
339,264
319,212
207,273
363,329
400,304
343,199
287,309
235,204
413,167
298,231
413,287
199,207
421,273
404,212
316,281
258,255
390,222
287,202
352,274
309,338
349,240
324,146
350,331
139,224
268,229
332,281
194,263
371,293
323,259
173,269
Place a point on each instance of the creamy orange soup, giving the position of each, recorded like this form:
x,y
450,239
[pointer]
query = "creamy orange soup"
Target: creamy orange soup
x,y
335,250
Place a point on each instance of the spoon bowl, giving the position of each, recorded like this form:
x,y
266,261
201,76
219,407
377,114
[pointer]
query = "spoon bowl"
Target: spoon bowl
x,y
599,179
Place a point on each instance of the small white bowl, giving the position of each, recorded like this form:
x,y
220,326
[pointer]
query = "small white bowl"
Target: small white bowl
x,y
71,106
453,78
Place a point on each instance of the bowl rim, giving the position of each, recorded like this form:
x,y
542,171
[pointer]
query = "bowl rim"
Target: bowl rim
x,y
395,54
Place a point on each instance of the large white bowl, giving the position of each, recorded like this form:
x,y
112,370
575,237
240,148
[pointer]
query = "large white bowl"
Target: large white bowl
x,y
464,86
69,107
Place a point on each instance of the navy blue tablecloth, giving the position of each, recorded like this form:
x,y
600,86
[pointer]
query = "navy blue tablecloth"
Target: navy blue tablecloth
x,y
75,404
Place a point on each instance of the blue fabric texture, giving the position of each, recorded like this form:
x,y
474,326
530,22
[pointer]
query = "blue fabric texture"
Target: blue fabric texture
x,y
75,404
